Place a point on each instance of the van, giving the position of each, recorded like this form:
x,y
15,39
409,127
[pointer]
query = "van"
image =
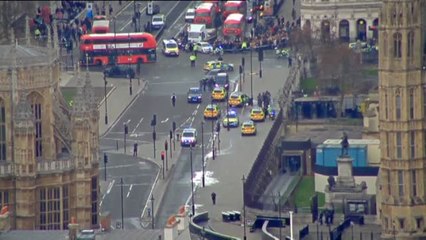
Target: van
x,y
158,21
190,15
222,80
170,47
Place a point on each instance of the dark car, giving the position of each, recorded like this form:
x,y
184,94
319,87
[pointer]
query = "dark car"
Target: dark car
x,y
222,80
213,73
119,72
195,95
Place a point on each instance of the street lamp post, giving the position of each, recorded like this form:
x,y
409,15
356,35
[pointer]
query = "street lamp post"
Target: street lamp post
x,y
106,100
105,165
291,225
202,152
115,43
213,136
122,206
352,230
152,211
192,181
227,110
244,208
279,213
251,73
130,77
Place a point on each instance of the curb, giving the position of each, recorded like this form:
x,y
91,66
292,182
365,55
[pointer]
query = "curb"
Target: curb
x,y
109,93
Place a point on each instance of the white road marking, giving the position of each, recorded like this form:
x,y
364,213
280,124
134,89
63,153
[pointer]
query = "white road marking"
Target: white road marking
x,y
110,186
137,125
165,120
130,21
130,189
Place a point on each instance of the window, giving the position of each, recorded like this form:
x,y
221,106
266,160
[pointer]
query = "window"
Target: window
x,y
397,38
2,132
400,183
419,222
410,42
386,106
65,207
411,104
401,223
412,144
4,199
387,144
398,145
398,107
413,182
94,201
50,209
388,182
36,108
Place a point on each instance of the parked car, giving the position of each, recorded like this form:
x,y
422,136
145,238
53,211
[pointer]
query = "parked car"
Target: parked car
x,y
204,47
119,72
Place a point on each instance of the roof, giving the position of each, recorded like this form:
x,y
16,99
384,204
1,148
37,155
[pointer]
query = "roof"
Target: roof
x,y
189,130
248,122
232,2
190,10
222,74
205,6
353,141
235,17
101,23
25,55
169,41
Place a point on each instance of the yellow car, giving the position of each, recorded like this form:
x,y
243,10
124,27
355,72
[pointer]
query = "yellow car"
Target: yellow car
x,y
257,114
218,94
238,99
212,111
215,64
248,128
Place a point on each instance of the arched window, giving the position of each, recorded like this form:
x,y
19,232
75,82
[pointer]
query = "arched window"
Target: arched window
x,y
397,51
36,107
393,15
2,132
398,107
410,43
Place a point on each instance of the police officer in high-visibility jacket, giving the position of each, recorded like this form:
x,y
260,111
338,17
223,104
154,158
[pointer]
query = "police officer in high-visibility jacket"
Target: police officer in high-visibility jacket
x,y
192,59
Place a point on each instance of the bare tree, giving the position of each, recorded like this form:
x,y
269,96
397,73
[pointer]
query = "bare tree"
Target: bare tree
x,y
339,67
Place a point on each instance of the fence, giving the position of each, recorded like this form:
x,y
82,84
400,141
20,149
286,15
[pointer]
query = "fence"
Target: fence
x,y
259,165
203,232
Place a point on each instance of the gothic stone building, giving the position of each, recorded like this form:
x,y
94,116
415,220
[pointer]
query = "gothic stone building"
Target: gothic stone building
x,y
348,20
402,117
48,151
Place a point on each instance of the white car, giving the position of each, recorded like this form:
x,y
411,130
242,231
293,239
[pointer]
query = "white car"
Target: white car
x,y
204,47
158,21
189,137
190,15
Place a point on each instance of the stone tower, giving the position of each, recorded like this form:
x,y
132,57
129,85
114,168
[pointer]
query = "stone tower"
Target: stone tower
x,y
402,89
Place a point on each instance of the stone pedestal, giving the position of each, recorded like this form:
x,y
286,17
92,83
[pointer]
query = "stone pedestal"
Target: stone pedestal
x,y
170,230
345,172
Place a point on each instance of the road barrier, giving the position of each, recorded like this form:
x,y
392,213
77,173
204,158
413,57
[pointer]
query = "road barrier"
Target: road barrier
x,y
203,232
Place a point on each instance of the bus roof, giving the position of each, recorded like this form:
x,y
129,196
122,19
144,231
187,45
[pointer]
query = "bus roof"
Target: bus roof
x,y
101,23
238,17
206,6
233,3
118,35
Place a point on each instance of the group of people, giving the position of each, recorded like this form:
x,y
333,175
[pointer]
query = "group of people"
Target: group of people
x,y
264,101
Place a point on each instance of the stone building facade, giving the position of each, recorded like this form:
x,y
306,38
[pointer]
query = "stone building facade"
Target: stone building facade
x,y
348,20
402,93
48,151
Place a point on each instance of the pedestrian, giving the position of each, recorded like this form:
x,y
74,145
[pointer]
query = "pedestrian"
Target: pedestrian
x,y
289,61
135,149
204,84
213,198
320,218
173,100
192,59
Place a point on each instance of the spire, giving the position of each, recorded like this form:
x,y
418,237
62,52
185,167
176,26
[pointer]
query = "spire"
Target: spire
x,y
14,67
23,109
27,31
84,101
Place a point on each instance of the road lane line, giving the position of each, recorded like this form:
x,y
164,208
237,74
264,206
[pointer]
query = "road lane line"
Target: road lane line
x,y
137,125
130,21
164,121
130,189
110,186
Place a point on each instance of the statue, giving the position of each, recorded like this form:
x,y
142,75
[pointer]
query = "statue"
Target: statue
x,y
345,144
331,182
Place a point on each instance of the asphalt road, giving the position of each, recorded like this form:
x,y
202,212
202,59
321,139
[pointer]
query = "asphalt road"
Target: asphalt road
x,y
138,175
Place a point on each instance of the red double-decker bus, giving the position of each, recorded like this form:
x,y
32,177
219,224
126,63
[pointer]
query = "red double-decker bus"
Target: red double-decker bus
x,y
205,14
234,7
234,25
118,48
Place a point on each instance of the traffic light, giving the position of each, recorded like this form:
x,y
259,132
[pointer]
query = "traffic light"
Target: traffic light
x,y
260,73
163,155
174,126
126,129
260,55
154,120
241,69
171,134
105,158
166,145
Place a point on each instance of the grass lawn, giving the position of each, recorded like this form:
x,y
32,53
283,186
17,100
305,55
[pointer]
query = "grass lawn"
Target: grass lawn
x,y
69,94
308,85
305,190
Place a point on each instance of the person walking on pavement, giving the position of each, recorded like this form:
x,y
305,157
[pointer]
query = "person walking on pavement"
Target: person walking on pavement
x,y
173,100
135,149
192,59
213,198
204,84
